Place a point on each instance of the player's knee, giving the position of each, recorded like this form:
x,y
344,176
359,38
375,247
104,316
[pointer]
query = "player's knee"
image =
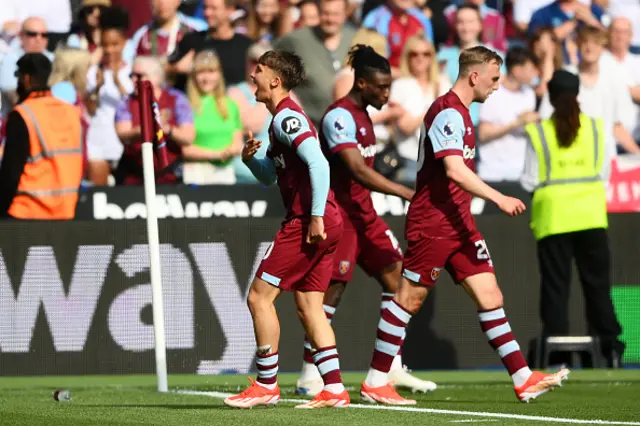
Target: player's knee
x,y
411,297
254,300
490,299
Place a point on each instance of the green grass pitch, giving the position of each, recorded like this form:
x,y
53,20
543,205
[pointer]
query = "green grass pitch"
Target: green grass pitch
x,y
612,397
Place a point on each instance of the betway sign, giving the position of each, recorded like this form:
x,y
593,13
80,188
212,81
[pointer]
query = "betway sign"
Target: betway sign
x,y
69,306
241,201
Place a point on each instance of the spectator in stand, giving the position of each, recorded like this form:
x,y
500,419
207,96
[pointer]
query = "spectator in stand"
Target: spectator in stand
x,y
383,119
167,27
86,35
68,82
254,115
629,9
398,20
603,92
309,14
468,33
493,24
548,52
501,132
68,79
421,83
217,122
323,50
565,17
268,20
221,37
177,125
107,83
523,10
32,39
620,36
56,15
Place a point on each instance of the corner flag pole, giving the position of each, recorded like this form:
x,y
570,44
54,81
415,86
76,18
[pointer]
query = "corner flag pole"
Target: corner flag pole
x,y
145,94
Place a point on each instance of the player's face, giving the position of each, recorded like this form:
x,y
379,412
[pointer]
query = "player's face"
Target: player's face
x,y
486,80
376,90
265,80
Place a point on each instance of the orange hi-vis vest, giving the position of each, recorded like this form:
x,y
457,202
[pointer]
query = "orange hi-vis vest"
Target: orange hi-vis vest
x,y
48,187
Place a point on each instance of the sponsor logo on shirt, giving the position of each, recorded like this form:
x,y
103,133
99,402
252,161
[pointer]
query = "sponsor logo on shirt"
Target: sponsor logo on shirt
x,y
369,151
291,125
279,161
468,153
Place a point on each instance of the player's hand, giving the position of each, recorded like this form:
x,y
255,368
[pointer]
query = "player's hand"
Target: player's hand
x,y
408,194
511,206
250,148
316,233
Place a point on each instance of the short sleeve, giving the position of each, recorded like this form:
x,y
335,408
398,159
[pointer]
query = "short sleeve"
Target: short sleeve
x,y
339,130
291,127
446,133
184,112
122,111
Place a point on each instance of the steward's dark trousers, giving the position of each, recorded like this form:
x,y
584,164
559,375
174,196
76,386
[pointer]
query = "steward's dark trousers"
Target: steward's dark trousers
x,y
590,249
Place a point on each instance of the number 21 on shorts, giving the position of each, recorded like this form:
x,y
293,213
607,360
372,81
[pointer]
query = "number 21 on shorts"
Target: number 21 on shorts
x,y
483,251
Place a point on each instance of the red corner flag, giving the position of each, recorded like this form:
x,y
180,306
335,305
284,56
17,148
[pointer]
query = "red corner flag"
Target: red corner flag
x,y
150,124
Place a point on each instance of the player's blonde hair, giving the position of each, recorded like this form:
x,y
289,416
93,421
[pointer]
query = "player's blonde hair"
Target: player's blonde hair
x,y
475,56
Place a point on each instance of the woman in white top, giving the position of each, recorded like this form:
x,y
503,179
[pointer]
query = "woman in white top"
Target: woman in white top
x,y
421,83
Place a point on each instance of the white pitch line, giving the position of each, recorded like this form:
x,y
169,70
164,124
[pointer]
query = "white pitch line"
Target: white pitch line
x,y
406,409
472,421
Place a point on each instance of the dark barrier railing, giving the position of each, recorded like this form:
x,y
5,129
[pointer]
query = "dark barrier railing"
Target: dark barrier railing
x,y
75,298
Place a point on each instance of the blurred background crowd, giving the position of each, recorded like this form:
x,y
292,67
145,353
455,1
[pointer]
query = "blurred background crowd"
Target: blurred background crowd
x,y
199,55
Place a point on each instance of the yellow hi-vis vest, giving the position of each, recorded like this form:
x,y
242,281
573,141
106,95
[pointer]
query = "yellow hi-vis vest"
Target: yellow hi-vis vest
x,y
571,195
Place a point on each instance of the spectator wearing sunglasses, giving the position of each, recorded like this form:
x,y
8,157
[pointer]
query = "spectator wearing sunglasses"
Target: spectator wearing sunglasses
x,y
33,38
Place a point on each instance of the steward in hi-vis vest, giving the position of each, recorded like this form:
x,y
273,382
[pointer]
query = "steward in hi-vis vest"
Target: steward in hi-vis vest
x,y
566,167
42,166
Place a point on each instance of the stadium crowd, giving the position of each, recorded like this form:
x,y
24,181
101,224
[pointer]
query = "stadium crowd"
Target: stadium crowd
x,y
199,56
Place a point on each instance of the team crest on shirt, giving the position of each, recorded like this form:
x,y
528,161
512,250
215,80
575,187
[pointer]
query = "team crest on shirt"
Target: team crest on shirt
x,y
448,129
435,273
344,266
396,39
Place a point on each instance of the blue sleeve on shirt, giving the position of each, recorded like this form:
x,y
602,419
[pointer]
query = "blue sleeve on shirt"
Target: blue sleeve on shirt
x,y
309,151
264,169
378,19
447,131
291,127
339,128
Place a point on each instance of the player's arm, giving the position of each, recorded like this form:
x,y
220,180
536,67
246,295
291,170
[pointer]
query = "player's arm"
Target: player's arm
x,y
292,128
339,129
264,168
447,137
